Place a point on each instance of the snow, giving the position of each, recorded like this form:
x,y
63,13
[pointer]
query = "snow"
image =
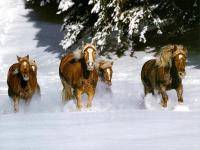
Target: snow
x,y
64,5
142,37
96,7
118,119
72,32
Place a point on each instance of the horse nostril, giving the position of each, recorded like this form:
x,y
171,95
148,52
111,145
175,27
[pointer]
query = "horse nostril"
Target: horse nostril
x,y
90,63
181,74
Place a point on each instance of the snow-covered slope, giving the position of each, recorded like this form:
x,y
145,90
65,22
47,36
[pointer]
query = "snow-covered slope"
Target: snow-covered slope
x,y
116,121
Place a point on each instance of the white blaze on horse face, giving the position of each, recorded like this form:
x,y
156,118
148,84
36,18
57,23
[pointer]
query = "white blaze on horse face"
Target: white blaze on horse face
x,y
25,64
25,76
108,71
34,68
180,56
90,58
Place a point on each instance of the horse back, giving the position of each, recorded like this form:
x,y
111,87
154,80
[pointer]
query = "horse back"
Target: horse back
x,y
70,70
147,69
153,75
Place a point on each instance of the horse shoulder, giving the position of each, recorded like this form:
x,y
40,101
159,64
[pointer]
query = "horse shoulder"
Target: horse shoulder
x,y
95,77
66,59
72,72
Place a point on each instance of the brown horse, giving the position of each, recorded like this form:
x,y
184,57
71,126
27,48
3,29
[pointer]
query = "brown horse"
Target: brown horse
x,y
78,74
165,72
22,82
105,71
33,65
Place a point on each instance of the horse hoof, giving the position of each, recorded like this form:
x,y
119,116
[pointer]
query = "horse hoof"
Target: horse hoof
x,y
89,105
79,107
16,110
163,104
180,103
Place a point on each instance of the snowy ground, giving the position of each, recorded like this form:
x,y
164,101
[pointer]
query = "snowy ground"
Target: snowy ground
x,y
116,121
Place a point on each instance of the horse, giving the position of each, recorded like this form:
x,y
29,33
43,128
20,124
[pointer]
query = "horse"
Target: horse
x,y
165,73
22,82
105,71
78,74
33,65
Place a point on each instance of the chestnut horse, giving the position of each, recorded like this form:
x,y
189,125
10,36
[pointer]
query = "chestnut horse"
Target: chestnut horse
x,y
105,71
166,72
22,82
78,75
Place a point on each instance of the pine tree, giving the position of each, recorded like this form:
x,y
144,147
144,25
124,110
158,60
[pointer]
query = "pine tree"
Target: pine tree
x,y
119,25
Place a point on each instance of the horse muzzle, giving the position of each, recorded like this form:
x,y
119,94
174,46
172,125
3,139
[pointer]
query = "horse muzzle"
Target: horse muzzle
x,y
25,77
90,67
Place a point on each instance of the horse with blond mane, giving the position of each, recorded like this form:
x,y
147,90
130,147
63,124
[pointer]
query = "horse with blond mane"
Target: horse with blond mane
x,y
105,71
22,81
78,74
166,72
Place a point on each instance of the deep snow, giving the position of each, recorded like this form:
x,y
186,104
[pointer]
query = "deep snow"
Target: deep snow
x,y
116,121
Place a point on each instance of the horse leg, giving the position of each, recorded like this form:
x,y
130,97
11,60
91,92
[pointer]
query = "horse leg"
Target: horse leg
x,y
90,98
63,96
164,96
27,102
179,91
78,95
16,103
68,91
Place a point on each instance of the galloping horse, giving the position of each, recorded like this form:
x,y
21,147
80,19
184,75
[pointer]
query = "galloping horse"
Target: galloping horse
x,y
22,82
105,71
33,65
165,72
78,74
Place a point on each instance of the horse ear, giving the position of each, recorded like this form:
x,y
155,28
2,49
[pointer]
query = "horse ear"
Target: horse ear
x,y
186,51
94,42
174,49
27,57
18,58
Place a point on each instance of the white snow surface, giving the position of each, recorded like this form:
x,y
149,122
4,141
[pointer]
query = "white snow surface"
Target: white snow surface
x,y
118,119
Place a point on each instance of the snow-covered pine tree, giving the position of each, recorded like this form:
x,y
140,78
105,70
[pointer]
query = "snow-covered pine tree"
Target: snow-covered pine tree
x,y
119,25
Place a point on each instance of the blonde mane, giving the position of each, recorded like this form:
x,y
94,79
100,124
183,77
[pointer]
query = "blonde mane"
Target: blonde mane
x,y
78,53
165,56
167,53
88,45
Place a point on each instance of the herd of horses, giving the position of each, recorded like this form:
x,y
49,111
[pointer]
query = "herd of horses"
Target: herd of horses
x,y
80,71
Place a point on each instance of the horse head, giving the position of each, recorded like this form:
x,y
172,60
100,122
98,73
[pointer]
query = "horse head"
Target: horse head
x,y
89,55
179,56
105,68
24,67
33,65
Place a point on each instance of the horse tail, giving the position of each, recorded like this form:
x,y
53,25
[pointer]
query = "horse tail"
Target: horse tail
x,y
67,93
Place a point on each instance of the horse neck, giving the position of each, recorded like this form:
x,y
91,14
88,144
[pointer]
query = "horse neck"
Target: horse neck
x,y
22,82
174,72
86,72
